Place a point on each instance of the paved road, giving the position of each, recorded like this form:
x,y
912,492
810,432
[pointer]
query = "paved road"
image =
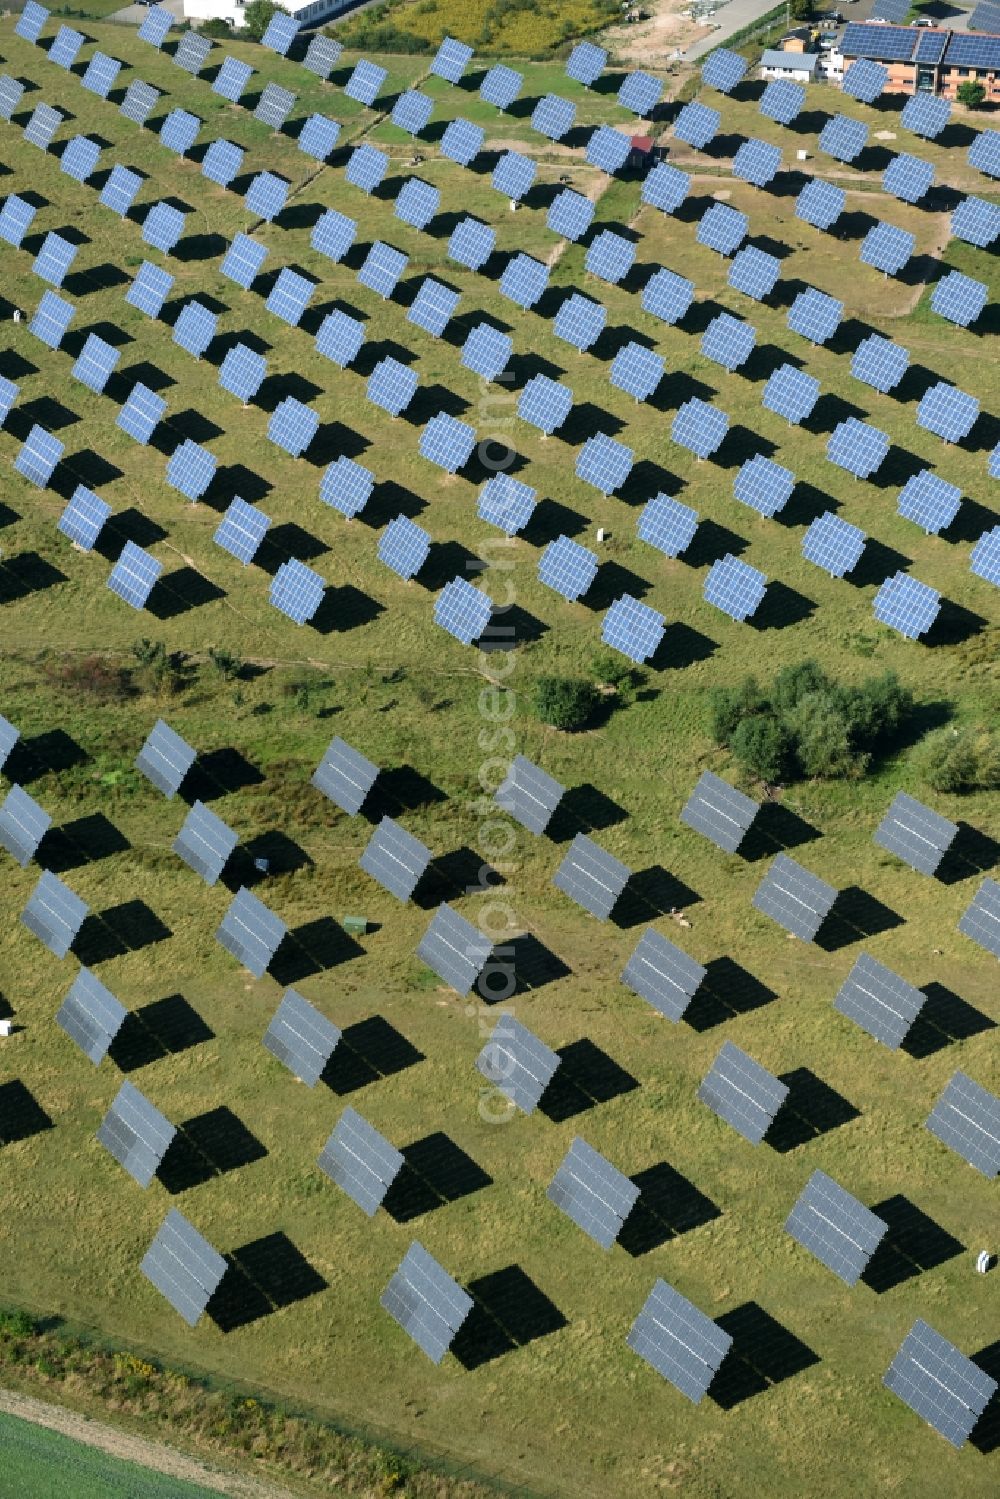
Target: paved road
x,y
134,15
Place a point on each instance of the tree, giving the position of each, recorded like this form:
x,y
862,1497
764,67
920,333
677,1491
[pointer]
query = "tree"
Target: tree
x,y
796,682
971,93
800,10
822,737
729,706
876,711
257,17
763,747
564,702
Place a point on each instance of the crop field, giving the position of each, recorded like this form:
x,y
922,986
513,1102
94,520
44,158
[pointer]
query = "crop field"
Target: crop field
x,y
540,1390
50,1466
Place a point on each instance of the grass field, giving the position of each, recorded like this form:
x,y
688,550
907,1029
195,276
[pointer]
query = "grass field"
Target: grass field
x,y
556,1401
47,1465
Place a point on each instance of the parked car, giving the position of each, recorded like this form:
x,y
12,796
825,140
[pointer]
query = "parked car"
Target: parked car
x,y
924,21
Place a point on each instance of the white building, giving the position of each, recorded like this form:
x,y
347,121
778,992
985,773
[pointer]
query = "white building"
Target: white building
x,y
801,67
306,12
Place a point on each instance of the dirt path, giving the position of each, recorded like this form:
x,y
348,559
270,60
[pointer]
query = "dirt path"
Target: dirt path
x,y
134,1449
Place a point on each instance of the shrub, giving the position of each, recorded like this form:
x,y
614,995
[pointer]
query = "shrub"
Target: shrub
x,y
877,710
257,17
564,702
796,682
821,736
971,93
955,760
216,26
729,706
91,676
608,669
227,664
763,747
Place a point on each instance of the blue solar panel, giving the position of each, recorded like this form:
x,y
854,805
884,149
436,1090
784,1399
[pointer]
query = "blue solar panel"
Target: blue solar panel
x,y
756,162
179,130
506,503
243,260
192,52
156,24
119,192
501,86
52,319
947,412
95,363
722,228
487,351
222,161
728,341
280,34
580,321
567,567
340,338
141,413
163,226
723,70
754,272
462,141
815,315
80,158
44,122
637,370
447,442
640,93
553,117
462,610
764,485
333,234
929,501
570,214
83,519
880,363
471,243
633,628
66,45
417,203
194,328
699,427
134,575
865,79
857,447
608,149
392,385
544,403
734,587
976,222
411,111
296,591
665,187
232,78
926,115
887,248
139,102
833,544
266,196
15,219
451,60
191,469
433,307
54,259
365,82
101,73
366,167
242,372
667,296
907,605
241,531
293,426
346,487
610,256
274,106
697,124
820,203
984,153
667,525
31,20
782,100
524,280
604,463
513,175
382,268
8,395
908,178
289,296
586,62
318,137
959,299
11,94
39,456
404,547
994,462
843,138
985,559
